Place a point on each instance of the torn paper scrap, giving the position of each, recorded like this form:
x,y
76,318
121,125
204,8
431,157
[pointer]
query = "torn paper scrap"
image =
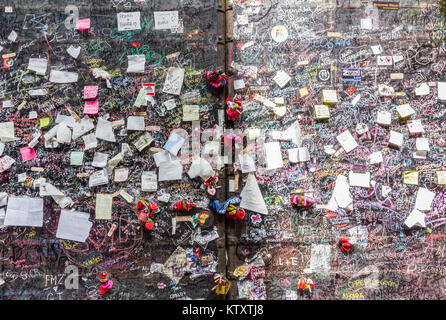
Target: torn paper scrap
x,y
415,218
47,189
294,132
99,160
73,225
3,199
115,160
161,156
296,155
63,134
82,127
252,198
102,74
424,199
90,141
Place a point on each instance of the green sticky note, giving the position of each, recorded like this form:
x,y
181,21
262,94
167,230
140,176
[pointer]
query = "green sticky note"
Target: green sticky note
x,y
76,158
44,122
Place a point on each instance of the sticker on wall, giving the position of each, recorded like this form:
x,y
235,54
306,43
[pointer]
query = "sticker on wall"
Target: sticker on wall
x,y
324,75
279,33
8,60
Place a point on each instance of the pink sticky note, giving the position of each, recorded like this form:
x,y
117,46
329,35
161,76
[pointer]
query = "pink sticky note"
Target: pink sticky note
x,y
28,153
91,107
90,92
83,25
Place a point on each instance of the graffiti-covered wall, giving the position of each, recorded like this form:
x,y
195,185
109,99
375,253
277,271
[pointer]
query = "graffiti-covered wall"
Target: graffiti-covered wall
x,y
312,168
350,162
91,93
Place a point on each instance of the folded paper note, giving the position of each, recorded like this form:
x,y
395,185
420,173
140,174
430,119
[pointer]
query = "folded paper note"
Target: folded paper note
x,y
252,198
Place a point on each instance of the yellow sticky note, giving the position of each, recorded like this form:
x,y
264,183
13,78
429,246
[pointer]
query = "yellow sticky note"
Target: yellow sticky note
x,y
44,122
303,92
410,177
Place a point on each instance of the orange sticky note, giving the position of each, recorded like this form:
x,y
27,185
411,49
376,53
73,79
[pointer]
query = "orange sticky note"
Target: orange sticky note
x,y
83,24
91,107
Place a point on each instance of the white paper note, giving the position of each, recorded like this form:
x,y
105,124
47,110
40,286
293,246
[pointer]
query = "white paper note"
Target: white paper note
x,y
202,168
74,51
347,141
441,86
282,78
170,170
174,144
104,204
104,131
98,178
129,21
149,181
415,218
247,164
73,225
136,63
166,20
136,123
174,81
252,198
38,65
424,199
273,155
90,141
24,211
341,196
100,160
63,76
359,179
7,131
160,157
81,128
